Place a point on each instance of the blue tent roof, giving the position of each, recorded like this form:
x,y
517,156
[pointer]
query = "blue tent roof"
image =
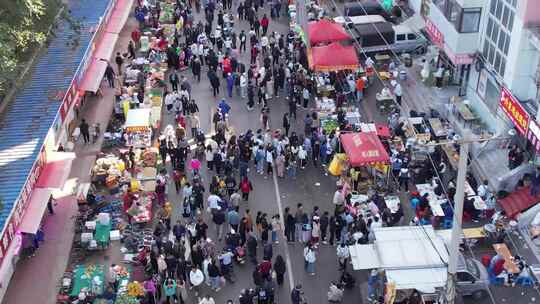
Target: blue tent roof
x,y
28,118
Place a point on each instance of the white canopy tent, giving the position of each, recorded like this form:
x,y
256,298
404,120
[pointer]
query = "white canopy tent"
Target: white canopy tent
x,y
413,257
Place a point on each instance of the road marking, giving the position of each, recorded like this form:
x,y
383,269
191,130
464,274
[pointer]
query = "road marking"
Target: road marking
x,y
282,219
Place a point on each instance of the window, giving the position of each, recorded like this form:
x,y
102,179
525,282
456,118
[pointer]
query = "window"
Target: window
x,y
454,12
497,63
498,34
505,17
465,277
411,36
495,33
441,4
470,20
464,20
502,40
400,37
498,11
491,53
493,6
511,21
506,45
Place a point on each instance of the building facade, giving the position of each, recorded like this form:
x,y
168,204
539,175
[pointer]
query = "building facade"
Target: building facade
x,y
493,46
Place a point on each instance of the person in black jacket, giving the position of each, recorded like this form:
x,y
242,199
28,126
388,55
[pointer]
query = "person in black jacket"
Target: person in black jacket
x,y
252,247
196,69
332,226
289,225
280,268
324,221
218,218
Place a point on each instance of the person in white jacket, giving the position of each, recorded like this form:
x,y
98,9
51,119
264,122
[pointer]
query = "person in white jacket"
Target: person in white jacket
x,y
196,277
335,294
343,255
243,85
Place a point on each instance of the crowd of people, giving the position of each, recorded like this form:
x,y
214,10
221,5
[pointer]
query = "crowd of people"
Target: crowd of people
x,y
217,233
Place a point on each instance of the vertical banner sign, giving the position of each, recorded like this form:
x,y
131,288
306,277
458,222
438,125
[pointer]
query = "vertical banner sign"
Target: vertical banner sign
x,y
436,36
534,135
514,111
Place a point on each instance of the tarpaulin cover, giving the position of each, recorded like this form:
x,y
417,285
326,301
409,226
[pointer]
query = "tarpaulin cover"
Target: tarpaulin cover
x,y
518,201
364,149
333,57
56,170
325,30
35,210
94,75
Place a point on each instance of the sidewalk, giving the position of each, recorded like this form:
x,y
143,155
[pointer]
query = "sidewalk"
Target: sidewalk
x,y
41,274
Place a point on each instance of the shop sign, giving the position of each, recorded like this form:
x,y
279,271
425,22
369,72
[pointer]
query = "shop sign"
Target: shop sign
x,y
434,33
514,111
534,134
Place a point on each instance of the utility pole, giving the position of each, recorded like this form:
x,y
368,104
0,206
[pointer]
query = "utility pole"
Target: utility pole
x,y
456,223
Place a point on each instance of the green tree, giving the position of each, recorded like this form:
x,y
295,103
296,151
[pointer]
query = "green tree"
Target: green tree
x,y
20,31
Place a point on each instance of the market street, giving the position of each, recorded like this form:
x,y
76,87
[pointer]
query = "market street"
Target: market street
x,y
312,187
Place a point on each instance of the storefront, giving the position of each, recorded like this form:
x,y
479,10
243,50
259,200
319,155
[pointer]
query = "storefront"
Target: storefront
x,y
457,66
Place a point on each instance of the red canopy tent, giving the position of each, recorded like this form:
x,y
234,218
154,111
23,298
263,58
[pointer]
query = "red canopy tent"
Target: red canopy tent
x,y
325,30
364,149
333,57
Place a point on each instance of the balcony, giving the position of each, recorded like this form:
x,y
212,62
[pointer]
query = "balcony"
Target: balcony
x,y
461,35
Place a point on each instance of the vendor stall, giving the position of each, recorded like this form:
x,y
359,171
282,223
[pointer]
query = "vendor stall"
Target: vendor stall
x,y
333,57
138,130
89,280
324,31
364,149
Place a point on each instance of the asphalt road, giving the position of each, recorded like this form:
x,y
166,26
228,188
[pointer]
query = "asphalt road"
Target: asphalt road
x,y
312,187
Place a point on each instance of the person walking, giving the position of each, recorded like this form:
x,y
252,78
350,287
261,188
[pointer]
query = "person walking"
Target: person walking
x,y
280,165
309,259
174,80
246,187
343,256
404,178
196,277
297,295
85,131
286,124
265,22
289,225
119,62
196,69
214,273
280,268
233,218
181,292
109,74
169,289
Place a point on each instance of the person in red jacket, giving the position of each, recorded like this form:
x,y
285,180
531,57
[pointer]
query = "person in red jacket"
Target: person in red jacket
x,y
265,22
246,187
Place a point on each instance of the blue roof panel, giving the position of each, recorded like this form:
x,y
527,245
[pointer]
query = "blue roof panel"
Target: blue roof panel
x,y
28,118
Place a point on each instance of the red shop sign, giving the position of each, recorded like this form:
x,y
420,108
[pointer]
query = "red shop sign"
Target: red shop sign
x,y
434,33
514,111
